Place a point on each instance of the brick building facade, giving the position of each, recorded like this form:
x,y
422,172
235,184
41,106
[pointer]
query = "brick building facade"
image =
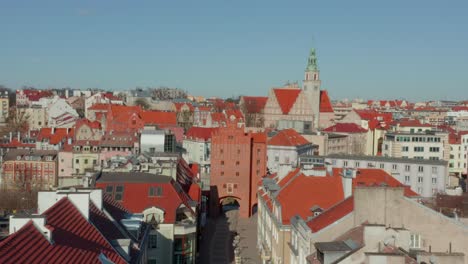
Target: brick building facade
x,y
238,162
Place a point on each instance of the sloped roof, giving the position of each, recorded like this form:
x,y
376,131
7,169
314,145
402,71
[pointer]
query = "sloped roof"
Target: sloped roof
x,y
325,104
303,192
375,177
159,117
331,215
286,98
75,240
179,106
200,133
92,124
59,135
195,192
345,128
136,193
254,104
372,114
99,107
288,137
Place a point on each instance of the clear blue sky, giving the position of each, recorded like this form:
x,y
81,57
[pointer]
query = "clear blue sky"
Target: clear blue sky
x,y
413,49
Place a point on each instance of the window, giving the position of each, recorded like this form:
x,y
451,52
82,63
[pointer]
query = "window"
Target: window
x,y
118,195
238,151
404,149
237,163
230,188
77,161
237,173
222,162
356,164
221,151
382,165
222,173
86,161
394,166
159,191
407,179
434,180
418,149
345,163
434,149
434,170
151,191
109,189
415,241
420,169
407,167
276,158
153,241
420,179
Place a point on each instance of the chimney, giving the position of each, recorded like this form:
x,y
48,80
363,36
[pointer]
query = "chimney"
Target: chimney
x,y
11,136
53,130
39,221
347,177
19,136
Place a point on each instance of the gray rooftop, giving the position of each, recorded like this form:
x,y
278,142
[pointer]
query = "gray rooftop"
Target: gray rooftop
x,y
12,154
132,177
332,246
382,159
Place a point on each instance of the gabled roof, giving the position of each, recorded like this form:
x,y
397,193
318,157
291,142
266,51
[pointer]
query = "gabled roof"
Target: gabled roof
x,y
286,98
254,104
288,137
372,114
91,124
345,128
325,104
200,133
179,106
55,136
75,240
411,123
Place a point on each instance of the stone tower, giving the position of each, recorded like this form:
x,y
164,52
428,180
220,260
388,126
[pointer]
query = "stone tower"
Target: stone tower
x,y
311,85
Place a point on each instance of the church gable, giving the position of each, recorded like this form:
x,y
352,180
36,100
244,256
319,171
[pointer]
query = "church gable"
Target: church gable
x,y
301,106
272,106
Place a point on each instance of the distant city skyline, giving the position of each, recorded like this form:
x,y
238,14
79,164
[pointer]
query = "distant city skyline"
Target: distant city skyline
x,y
415,50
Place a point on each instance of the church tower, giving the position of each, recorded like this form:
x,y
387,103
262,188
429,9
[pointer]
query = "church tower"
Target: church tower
x,y
311,85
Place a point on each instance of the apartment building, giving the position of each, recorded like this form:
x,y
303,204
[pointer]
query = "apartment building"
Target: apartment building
x,y
425,177
431,145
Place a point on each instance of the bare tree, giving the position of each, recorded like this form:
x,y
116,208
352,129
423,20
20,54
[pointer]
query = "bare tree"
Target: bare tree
x,y
142,103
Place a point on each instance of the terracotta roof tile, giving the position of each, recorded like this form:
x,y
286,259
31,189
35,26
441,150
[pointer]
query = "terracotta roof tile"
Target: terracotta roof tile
x,y
254,104
288,137
345,128
325,104
200,133
331,215
286,98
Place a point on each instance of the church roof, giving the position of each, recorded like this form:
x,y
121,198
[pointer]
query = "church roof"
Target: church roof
x,y
286,98
325,104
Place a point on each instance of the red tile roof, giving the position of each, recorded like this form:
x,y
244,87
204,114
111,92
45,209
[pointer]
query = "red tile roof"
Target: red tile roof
x,y
372,114
254,104
288,137
195,192
375,177
14,143
345,128
200,133
236,113
99,107
159,117
60,135
136,198
286,98
325,104
459,108
303,192
75,240
411,123
89,123
331,215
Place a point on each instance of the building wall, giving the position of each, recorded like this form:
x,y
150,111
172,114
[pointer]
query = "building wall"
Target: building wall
x,y
4,108
231,170
393,146
426,181
388,206
65,169
28,174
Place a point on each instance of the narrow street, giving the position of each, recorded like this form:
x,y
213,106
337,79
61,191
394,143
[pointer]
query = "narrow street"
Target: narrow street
x,y
216,246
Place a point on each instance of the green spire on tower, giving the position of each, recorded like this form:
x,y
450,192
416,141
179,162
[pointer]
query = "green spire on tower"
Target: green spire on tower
x,y
312,61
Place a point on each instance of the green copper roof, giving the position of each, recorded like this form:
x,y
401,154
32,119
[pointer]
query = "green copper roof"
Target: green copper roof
x,y
312,61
